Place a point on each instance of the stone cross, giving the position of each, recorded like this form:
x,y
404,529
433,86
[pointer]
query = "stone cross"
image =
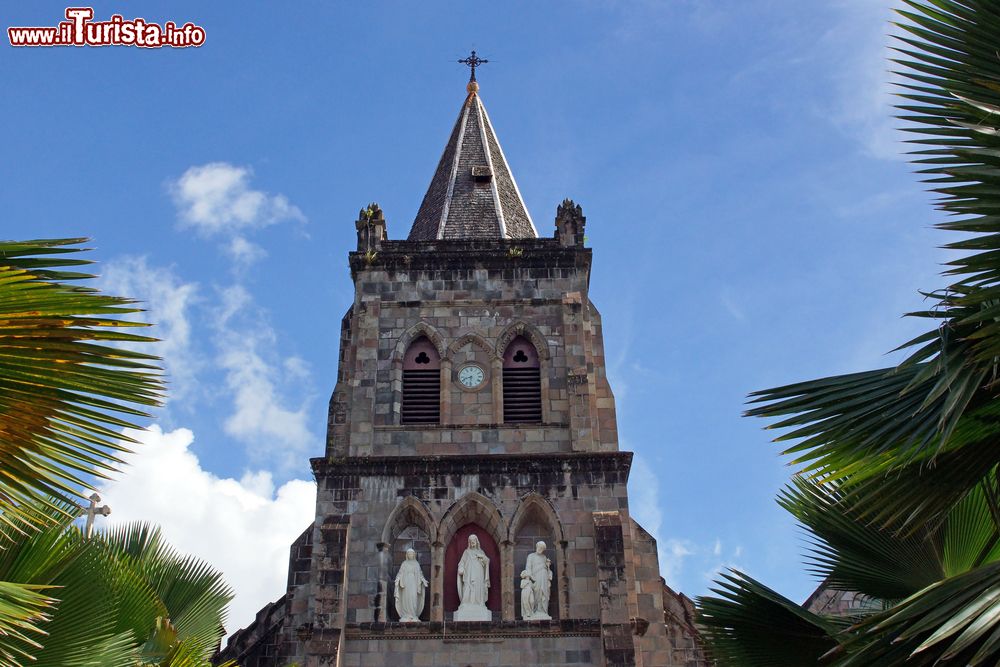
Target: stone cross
x,y
93,511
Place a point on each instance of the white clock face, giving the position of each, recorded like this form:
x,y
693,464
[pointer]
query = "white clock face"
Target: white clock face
x,y
471,376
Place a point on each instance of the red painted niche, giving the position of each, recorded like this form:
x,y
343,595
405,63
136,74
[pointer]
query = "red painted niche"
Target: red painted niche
x,y
453,554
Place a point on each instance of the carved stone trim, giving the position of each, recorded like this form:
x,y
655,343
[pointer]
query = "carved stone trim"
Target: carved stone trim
x,y
528,331
478,509
478,631
464,464
416,331
458,254
467,427
409,512
475,339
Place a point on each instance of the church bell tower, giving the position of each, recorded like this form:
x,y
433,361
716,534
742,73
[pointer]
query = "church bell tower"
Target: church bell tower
x,y
472,507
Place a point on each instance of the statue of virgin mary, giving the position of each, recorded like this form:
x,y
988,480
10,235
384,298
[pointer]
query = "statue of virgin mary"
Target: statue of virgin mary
x,y
409,589
473,583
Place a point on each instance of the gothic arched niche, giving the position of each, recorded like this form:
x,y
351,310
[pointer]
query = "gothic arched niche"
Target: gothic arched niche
x,y
412,537
409,526
456,547
535,521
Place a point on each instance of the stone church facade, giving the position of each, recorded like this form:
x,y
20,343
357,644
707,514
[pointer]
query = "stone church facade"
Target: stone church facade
x,y
472,398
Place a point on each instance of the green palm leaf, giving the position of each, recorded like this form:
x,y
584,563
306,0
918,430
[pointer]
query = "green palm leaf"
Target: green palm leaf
x,y
66,388
953,622
124,597
23,608
851,554
750,625
194,596
942,398
900,488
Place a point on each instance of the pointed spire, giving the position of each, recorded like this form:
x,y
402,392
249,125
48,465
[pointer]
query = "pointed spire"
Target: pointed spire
x,y
473,194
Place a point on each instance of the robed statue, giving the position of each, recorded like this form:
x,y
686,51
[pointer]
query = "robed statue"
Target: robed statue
x,y
539,570
473,583
527,596
409,589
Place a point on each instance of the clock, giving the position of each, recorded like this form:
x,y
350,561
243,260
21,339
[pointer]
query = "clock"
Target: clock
x,y
471,376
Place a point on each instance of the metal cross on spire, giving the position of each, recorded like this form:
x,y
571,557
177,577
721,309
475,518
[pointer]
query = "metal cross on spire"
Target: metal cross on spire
x,y
473,61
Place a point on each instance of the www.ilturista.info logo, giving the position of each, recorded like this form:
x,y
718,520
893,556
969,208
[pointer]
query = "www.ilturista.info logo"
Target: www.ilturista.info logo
x,y
81,30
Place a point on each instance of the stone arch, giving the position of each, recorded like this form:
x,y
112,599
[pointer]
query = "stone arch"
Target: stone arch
x,y
524,376
535,501
538,519
410,524
416,331
473,508
530,332
409,512
474,513
476,340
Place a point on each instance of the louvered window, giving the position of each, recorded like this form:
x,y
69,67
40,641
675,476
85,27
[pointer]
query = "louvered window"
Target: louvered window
x,y
522,383
421,384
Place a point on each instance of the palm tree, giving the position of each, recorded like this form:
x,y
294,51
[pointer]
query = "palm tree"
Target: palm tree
x,y
906,457
68,387
125,598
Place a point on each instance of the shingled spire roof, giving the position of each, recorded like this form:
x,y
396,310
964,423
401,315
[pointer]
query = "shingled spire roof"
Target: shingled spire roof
x,y
473,194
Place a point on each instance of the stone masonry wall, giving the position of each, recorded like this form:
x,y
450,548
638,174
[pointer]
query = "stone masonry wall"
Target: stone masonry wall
x,y
470,300
447,492
484,651
382,481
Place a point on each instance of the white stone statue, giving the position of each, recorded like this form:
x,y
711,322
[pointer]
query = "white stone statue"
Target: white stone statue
x,y
539,569
473,583
409,589
527,595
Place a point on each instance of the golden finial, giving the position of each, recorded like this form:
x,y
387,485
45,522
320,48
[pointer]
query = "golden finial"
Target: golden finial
x,y
473,87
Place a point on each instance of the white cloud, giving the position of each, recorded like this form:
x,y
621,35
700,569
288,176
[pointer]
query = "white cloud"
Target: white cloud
x,y
243,528
644,495
722,563
644,504
297,367
260,417
731,304
672,554
168,301
269,396
860,43
243,252
216,199
676,555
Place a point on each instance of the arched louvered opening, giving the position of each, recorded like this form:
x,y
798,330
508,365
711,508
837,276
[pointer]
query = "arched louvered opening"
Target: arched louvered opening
x,y
421,383
522,382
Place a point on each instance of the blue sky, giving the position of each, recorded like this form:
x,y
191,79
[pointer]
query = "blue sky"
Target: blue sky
x,y
752,221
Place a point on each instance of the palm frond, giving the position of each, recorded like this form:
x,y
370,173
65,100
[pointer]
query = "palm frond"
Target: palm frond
x,y
851,554
66,389
953,622
24,608
942,398
750,625
123,597
901,463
